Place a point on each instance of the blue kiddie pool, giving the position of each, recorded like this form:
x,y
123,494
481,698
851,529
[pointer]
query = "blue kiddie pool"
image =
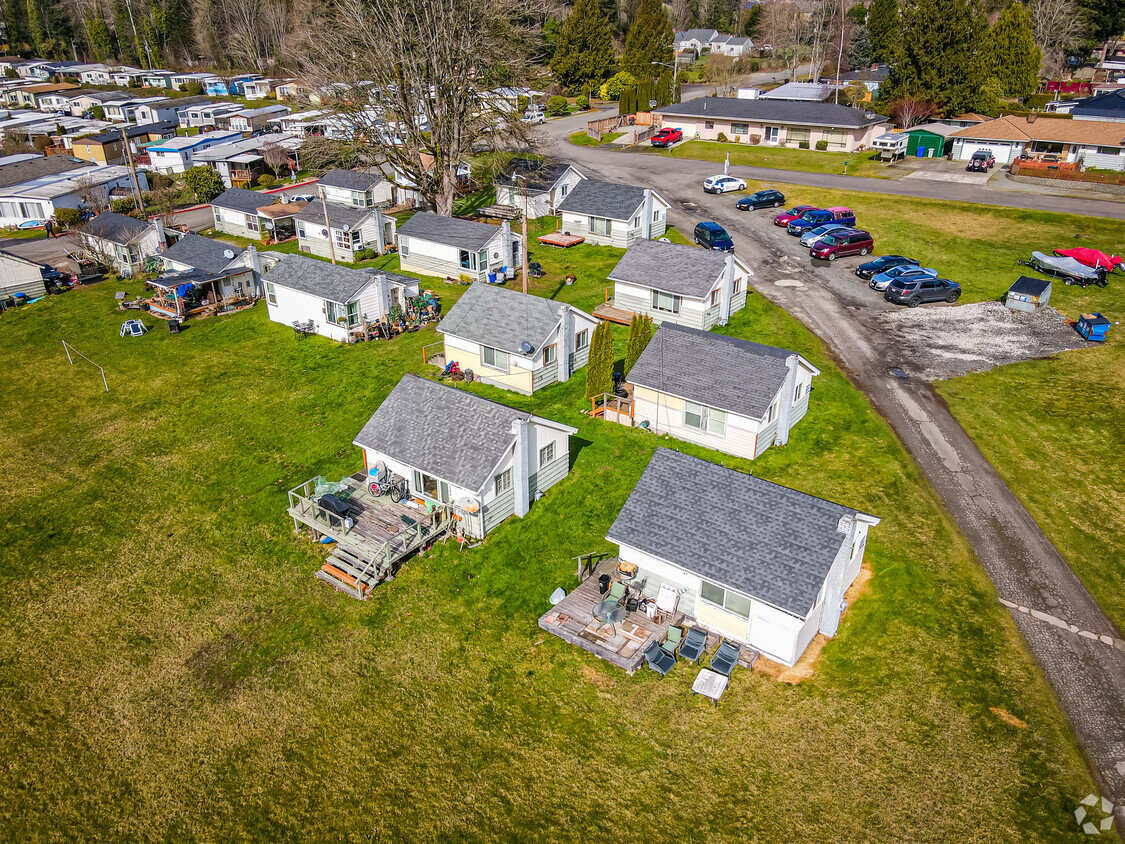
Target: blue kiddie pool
x,y
1093,327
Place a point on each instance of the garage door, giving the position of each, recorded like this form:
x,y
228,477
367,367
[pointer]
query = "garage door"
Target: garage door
x,y
1001,150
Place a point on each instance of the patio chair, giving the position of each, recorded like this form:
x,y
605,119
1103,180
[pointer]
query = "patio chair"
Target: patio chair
x,y
693,644
725,658
675,636
659,660
617,592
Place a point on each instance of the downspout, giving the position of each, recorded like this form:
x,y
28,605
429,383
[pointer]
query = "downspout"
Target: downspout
x,y
562,346
726,288
785,403
520,474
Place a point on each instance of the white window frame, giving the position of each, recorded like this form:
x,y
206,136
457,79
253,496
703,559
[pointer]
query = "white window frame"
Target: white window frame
x,y
667,302
503,482
710,420
582,339
252,222
271,293
797,391
728,598
771,135
404,247
715,296
497,356
771,413
596,226
736,288
547,454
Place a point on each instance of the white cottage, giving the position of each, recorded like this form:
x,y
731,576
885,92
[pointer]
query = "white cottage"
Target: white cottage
x,y
489,460
721,392
540,185
124,243
514,340
340,231
754,561
355,188
670,282
431,244
612,214
336,300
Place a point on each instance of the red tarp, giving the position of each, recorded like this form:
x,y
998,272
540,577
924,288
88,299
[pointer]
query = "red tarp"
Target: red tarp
x,y
1091,257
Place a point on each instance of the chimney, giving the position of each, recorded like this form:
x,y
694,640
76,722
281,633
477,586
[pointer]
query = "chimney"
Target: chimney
x,y
785,402
158,227
506,253
520,463
562,345
646,215
379,239
1032,115
726,290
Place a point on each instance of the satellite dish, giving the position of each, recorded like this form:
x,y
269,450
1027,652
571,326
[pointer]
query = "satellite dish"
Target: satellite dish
x,y
469,505
347,228
228,253
526,348
324,232
665,240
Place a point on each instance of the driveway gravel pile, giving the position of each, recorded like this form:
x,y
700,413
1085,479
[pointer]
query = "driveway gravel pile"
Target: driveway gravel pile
x,y
936,343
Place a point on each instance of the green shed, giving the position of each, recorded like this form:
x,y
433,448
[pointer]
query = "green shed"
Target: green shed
x,y
930,140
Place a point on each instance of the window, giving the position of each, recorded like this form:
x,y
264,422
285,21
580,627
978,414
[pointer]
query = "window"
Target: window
x,y
731,601
563,190
503,481
300,229
338,314
547,455
361,199
771,413
837,138
796,136
1109,151
271,293
706,419
714,297
708,124
656,215
737,286
772,133
404,247
549,353
797,391
582,339
636,224
468,260
431,487
494,358
600,225
740,128
665,302
345,240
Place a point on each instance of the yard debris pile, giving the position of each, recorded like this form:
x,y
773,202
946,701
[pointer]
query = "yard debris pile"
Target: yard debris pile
x,y
936,343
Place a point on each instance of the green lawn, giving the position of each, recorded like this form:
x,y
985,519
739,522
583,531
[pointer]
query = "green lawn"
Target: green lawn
x,y
171,670
581,139
22,234
779,158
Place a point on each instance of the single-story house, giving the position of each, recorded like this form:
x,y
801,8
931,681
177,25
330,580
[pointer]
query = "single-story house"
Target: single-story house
x,y
763,564
240,162
488,460
670,282
228,87
1094,143
545,183
965,120
337,300
167,108
291,90
195,252
930,140
20,276
238,211
693,40
260,89
156,79
356,188
447,246
124,243
30,190
206,113
327,229
613,214
80,102
721,392
1109,105
127,77
177,154
774,122
106,148
871,78
735,46
251,119
180,81
202,275
125,111
28,96
514,340
98,75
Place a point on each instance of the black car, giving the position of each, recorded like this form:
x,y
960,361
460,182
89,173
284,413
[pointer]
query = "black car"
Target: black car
x,y
761,199
880,265
914,292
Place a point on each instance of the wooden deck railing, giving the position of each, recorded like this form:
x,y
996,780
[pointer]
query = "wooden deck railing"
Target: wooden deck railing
x,y
608,403
432,350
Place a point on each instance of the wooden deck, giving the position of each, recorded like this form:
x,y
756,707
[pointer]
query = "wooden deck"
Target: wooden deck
x,y
561,240
572,620
610,313
383,534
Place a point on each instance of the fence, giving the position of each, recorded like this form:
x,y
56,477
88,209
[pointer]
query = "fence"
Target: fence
x,y
1064,172
597,128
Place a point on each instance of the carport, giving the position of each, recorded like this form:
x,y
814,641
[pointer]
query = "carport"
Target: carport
x,y
930,140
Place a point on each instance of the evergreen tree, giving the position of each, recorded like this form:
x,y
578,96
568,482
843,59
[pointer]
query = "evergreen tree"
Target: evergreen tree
x,y
859,51
584,51
858,14
649,40
1010,54
752,26
885,28
679,91
177,26
126,43
1106,18
664,88
15,15
97,33
599,366
640,332
938,58
610,11
36,36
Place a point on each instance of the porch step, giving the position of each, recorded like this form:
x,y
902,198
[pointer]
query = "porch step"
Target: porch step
x,y
356,566
338,585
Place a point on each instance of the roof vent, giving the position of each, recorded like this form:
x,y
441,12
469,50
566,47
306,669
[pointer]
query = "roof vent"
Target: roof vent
x,y
845,523
526,348
228,253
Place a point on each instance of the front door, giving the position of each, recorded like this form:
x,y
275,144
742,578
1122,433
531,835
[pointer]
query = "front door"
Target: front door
x,y
772,133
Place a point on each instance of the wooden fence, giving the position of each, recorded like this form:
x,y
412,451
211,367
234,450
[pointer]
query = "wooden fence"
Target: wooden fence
x,y
1064,172
603,126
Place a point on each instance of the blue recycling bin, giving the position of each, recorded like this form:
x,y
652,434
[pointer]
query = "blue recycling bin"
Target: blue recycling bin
x,y
492,278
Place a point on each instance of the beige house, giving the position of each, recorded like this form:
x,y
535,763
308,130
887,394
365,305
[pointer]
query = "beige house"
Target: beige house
x,y
774,122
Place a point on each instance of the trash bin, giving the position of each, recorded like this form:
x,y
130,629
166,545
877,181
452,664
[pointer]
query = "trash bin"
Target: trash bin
x,y
492,278
603,583
174,326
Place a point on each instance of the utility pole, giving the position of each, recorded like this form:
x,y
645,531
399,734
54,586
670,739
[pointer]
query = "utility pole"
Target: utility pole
x,y
132,171
327,225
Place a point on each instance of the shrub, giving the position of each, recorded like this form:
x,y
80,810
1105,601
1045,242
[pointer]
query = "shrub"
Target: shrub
x,y
553,90
365,254
612,89
803,144
68,217
822,145
722,136
557,105
194,89
582,101
754,140
266,180
159,181
125,205
204,183
97,112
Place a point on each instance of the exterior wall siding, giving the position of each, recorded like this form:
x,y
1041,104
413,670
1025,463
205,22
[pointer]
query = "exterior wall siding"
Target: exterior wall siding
x,y
432,266
228,227
696,127
498,509
665,415
545,376
765,437
578,359
691,313
467,354
549,475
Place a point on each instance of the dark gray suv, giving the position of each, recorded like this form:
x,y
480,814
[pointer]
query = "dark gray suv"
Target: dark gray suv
x,y
913,292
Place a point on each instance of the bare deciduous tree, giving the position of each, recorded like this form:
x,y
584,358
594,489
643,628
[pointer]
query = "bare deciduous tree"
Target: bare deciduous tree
x,y
92,192
786,27
910,111
1059,26
724,73
412,81
275,156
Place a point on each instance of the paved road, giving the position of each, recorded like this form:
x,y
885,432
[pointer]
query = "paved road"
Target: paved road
x,y
1087,672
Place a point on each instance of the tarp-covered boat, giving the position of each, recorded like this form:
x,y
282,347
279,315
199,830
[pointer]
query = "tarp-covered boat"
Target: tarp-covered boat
x,y
1066,268
1091,257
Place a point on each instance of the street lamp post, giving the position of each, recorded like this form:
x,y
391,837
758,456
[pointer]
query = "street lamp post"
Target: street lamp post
x,y
675,65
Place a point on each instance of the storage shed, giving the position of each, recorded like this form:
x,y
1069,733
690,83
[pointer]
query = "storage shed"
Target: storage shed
x,y
931,140
1028,294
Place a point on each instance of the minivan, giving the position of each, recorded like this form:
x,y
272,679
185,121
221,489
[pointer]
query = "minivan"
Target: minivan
x,y
841,243
713,236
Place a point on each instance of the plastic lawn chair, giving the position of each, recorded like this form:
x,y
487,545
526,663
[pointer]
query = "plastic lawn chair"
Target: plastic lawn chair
x,y
725,658
659,660
693,644
675,636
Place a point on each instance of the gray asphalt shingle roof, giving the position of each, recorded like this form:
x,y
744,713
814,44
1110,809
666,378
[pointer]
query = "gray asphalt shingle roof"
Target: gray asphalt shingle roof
x,y
604,199
34,168
318,278
350,179
501,318
442,431
241,199
712,369
464,234
116,228
759,538
671,267
540,175
776,111
338,215
202,253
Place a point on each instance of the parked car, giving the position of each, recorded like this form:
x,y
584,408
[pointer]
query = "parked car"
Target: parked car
x,y
883,263
982,161
723,184
914,293
761,199
813,235
667,137
533,117
842,243
713,236
300,197
905,272
812,219
786,217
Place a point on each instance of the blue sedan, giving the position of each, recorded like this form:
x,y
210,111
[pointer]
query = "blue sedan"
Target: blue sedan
x,y
906,273
813,235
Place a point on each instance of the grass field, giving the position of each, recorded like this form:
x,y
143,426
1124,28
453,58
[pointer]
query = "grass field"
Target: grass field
x,y
780,158
581,139
170,669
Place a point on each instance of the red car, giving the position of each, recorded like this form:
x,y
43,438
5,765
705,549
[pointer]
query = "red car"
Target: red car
x,y
786,217
842,242
666,137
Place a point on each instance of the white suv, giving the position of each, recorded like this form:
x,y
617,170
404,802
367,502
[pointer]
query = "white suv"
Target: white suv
x,y
532,117
723,184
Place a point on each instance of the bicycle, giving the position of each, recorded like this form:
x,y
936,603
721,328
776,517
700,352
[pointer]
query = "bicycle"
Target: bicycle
x,y
396,486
